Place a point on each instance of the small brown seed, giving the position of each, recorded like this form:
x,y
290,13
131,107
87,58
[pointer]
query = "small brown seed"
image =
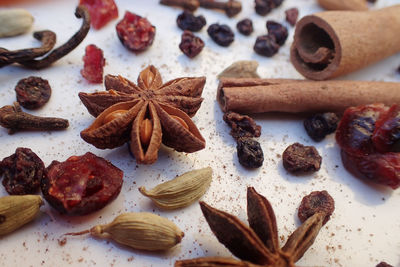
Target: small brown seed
x,y
113,115
146,130
181,121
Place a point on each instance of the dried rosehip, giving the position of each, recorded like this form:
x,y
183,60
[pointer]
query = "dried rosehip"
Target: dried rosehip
x,y
386,136
242,125
320,125
221,34
101,11
188,21
23,172
298,158
245,26
278,30
249,153
81,184
266,45
33,92
135,33
381,264
291,15
93,64
191,45
317,201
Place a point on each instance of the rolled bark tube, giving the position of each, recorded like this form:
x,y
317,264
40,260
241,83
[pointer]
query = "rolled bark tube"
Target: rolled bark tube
x,y
344,4
247,96
334,43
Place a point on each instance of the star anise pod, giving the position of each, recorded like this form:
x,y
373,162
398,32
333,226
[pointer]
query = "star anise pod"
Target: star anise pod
x,y
145,114
257,245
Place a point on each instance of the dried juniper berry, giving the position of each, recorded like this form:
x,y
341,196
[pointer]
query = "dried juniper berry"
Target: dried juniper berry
x,y
242,125
33,92
278,30
221,34
382,263
320,125
291,15
317,201
245,26
250,153
398,70
298,159
263,7
266,45
187,21
191,45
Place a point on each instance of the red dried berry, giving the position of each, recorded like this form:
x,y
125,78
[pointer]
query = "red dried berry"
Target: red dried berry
x,y
386,136
101,11
135,33
191,45
81,184
317,201
93,64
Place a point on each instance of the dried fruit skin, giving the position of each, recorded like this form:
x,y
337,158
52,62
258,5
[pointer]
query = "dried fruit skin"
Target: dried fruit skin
x,y
81,184
386,136
383,264
278,30
33,92
93,64
250,153
221,34
135,33
242,125
101,11
292,15
320,125
245,27
266,45
23,172
191,45
298,158
187,21
317,201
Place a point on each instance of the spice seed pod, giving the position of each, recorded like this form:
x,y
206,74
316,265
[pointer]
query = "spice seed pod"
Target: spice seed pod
x,y
15,211
140,230
181,191
14,22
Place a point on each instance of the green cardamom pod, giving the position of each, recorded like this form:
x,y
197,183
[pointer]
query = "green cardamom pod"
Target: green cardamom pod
x,y
16,211
14,22
181,191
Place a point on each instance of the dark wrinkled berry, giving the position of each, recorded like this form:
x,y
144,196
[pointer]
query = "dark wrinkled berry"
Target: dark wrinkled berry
x,y
23,172
317,201
320,125
242,125
298,158
278,30
188,21
191,45
33,92
221,34
383,264
398,69
263,7
250,153
245,26
291,15
266,46
372,1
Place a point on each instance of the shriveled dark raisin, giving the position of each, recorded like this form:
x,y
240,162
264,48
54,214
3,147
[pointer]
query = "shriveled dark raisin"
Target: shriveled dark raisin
x,y
191,45
266,45
278,30
317,201
372,1
33,92
221,34
23,172
298,158
291,15
190,22
245,26
398,69
242,125
382,263
250,153
320,125
263,7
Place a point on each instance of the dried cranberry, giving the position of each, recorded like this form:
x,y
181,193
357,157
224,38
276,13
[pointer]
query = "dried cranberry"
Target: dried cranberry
x,y
317,201
93,64
81,184
291,15
188,21
221,34
278,30
320,125
191,45
33,92
101,11
23,172
245,26
263,7
242,125
250,153
298,158
135,33
266,45
382,264
386,136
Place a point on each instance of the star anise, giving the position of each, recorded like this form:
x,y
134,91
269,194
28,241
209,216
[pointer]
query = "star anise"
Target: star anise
x,y
257,245
146,114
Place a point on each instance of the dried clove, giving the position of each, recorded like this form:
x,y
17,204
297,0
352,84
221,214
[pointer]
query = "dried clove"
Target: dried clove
x,y
14,119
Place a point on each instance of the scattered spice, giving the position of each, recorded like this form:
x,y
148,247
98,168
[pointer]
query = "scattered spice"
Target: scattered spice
x,y
291,15
221,34
187,21
278,30
241,69
14,119
320,125
135,33
263,7
33,92
298,158
14,21
62,241
317,201
101,11
93,64
22,172
81,184
266,45
191,45
250,153
245,26
242,125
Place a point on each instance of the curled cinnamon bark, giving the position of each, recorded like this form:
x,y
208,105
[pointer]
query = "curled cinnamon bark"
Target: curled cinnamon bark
x,y
344,4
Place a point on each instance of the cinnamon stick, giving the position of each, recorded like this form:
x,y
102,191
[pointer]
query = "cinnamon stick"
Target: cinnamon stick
x,y
344,4
333,43
249,95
